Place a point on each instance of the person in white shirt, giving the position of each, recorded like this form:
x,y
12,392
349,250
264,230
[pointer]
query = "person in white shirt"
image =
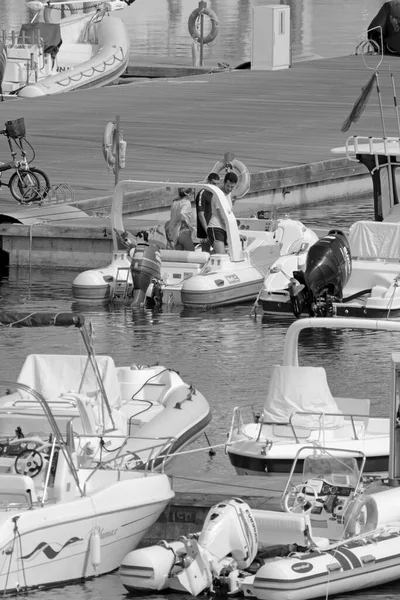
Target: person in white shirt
x,y
216,229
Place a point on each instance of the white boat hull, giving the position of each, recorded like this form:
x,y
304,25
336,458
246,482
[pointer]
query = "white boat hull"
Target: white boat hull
x,y
56,541
350,567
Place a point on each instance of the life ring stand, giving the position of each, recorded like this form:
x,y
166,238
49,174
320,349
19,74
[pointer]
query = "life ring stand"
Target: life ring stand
x,y
110,144
241,171
47,18
192,25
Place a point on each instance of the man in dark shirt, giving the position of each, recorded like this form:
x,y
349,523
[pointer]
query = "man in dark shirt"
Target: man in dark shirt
x,y
203,211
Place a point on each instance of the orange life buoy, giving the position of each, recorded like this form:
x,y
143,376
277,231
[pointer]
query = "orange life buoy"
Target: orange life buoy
x,y
110,144
241,171
193,25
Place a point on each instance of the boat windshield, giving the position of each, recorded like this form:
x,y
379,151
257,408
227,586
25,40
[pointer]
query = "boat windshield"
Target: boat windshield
x,y
340,471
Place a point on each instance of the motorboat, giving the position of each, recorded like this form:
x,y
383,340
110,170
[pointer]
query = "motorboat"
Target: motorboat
x,y
299,409
69,509
333,536
144,403
238,275
311,282
83,50
355,275
145,270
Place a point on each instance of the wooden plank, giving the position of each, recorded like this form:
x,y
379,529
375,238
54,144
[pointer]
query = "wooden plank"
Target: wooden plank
x,y
177,129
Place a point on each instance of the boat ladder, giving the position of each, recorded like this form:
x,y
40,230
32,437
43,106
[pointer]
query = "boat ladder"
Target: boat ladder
x,y
122,286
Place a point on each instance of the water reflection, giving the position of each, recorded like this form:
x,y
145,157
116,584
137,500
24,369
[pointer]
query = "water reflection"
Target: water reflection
x,y
158,29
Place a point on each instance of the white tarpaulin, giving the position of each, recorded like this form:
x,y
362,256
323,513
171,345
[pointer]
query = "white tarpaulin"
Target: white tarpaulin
x,y
375,240
57,375
303,389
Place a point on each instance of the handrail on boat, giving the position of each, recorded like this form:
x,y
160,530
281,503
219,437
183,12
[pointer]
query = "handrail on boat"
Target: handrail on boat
x,y
165,444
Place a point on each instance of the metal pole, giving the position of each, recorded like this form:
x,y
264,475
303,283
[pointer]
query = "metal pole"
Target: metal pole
x,y
202,5
117,139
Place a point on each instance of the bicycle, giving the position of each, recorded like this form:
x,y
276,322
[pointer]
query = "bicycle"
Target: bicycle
x,y
27,184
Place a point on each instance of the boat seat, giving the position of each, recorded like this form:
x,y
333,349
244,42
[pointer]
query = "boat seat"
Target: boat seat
x,y
275,528
17,489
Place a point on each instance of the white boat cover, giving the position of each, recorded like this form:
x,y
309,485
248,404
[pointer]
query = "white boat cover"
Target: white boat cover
x,y
55,375
375,240
303,389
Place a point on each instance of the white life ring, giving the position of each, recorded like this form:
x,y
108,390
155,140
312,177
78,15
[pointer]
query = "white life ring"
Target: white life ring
x,y
193,25
241,171
110,143
51,10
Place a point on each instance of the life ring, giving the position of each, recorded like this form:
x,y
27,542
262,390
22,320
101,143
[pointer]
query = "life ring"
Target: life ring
x,y
241,171
193,29
110,143
48,10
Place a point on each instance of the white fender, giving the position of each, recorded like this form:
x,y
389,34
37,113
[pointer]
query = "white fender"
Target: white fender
x,y
95,549
110,143
241,171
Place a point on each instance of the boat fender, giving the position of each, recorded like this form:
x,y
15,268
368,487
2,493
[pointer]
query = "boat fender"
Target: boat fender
x,y
95,548
109,144
241,171
122,154
194,29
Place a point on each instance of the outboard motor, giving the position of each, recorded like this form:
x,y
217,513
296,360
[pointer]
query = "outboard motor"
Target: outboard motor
x,y
227,542
146,274
327,270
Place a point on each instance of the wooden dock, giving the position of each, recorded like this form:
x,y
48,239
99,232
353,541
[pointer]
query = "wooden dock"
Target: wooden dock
x,y
177,128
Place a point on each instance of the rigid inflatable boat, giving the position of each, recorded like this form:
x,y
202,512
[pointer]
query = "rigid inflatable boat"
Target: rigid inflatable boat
x,y
84,50
333,537
143,268
299,409
238,275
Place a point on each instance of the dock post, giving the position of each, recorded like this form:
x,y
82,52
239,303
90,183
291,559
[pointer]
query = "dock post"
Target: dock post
x,y
202,6
394,448
117,140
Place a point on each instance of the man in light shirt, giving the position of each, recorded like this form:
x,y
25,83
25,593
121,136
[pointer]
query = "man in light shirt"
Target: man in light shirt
x,y
216,229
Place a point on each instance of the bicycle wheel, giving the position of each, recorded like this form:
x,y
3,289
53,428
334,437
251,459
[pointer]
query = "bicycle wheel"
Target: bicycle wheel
x,y
44,181
25,187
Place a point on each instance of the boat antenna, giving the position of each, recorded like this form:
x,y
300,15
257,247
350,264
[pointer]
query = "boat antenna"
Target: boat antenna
x,y
396,108
378,89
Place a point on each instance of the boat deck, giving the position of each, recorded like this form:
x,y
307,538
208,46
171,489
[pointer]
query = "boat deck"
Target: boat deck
x,y
177,128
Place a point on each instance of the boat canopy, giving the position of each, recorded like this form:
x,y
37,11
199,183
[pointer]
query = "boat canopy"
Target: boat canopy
x,y
303,390
375,240
50,33
57,376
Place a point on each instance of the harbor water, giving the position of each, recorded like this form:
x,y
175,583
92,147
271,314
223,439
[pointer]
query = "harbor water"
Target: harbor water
x,y
225,353
159,28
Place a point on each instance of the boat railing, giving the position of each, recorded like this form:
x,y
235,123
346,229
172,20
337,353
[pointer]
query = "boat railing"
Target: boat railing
x,y
238,423
158,452
356,144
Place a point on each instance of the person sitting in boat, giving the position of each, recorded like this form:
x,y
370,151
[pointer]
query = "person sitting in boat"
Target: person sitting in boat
x,y
216,229
180,228
203,211
384,29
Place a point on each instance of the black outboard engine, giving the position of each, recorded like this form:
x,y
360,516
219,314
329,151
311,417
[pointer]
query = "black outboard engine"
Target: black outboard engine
x,y
327,270
146,275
